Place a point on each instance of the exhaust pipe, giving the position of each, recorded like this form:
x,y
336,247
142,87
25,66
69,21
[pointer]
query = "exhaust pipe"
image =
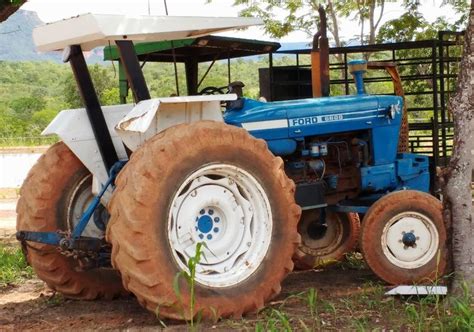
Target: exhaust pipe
x,y
320,58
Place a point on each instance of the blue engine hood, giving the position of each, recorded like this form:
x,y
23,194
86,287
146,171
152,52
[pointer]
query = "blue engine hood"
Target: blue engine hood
x,y
316,116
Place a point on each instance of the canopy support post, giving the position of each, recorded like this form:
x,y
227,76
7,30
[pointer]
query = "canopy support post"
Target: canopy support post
x,y
133,71
92,105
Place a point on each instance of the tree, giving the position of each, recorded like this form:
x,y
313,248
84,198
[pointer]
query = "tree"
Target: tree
x,y
364,11
8,7
413,26
24,107
303,15
458,199
104,83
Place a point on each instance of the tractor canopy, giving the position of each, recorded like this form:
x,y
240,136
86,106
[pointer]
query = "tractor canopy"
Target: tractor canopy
x,y
92,30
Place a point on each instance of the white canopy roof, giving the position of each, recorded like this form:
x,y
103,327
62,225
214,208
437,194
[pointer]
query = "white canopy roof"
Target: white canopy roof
x,y
92,30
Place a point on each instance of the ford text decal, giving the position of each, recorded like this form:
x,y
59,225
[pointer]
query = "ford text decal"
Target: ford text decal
x,y
310,120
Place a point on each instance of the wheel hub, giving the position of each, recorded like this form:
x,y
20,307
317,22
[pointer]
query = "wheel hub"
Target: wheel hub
x,y
207,222
320,237
317,230
410,240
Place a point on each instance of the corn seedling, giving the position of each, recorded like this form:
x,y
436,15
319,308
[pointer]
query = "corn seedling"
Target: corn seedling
x,y
361,324
274,320
462,311
190,278
312,303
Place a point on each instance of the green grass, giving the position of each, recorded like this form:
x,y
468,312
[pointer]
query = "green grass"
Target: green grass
x,y
368,310
13,266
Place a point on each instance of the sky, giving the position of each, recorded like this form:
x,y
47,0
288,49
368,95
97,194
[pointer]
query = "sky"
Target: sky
x,y
53,10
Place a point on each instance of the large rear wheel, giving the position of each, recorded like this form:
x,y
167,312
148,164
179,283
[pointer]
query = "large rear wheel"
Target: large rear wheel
x,y
403,238
56,192
208,183
326,237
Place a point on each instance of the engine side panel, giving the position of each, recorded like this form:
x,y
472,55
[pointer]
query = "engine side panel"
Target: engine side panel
x,y
338,148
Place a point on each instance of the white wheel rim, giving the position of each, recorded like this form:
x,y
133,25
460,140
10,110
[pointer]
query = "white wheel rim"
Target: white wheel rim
x,y
227,209
79,202
410,240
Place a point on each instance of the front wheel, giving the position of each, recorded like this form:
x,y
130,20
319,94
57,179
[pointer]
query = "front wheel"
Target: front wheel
x,y
326,237
403,238
208,183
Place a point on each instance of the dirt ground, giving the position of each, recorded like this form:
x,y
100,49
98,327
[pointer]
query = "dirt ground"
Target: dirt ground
x,y
31,306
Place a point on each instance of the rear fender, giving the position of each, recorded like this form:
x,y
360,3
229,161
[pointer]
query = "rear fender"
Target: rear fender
x,y
152,116
74,129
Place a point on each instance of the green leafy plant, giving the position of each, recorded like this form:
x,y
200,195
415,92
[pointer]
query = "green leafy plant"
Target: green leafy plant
x,y
190,277
311,299
55,300
283,319
460,316
353,261
361,324
312,303
274,320
13,266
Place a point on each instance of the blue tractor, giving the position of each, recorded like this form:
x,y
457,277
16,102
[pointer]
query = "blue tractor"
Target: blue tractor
x,y
341,152
136,194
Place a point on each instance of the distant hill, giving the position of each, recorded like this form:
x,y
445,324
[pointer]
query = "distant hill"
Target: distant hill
x,y
16,42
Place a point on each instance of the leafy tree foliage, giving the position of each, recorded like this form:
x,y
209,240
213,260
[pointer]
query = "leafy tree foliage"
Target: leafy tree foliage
x,y
302,15
104,83
413,26
32,93
8,7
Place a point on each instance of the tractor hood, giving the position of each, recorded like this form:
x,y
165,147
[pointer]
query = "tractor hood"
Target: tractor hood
x,y
316,116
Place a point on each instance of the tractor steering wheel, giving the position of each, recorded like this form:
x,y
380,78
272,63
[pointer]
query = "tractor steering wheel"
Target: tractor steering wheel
x,y
213,90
